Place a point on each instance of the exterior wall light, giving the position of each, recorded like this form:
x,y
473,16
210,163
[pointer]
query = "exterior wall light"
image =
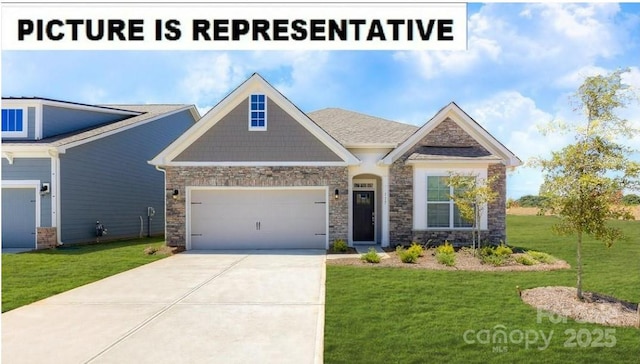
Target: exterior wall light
x,y
336,193
45,188
175,195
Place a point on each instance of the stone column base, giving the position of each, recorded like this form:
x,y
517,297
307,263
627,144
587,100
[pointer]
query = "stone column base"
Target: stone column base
x,y
47,237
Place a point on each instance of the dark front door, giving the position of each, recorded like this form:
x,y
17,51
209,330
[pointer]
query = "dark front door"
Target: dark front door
x,y
363,216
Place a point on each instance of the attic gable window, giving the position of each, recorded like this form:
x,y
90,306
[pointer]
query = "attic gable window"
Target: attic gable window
x,y
14,123
258,112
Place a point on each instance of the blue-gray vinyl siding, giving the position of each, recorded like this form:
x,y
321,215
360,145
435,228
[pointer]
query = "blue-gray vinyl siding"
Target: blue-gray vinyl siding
x,y
31,169
19,219
31,125
58,120
109,180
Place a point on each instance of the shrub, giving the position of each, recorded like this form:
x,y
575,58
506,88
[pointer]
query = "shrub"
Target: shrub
x,y
446,248
448,259
526,260
150,250
340,246
503,250
631,199
487,251
417,249
541,257
407,255
495,256
371,256
495,260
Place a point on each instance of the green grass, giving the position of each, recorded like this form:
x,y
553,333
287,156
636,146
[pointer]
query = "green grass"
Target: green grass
x,y
395,315
29,277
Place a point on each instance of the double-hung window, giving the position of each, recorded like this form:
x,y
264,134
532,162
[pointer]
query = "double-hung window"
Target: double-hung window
x,y
13,122
442,212
258,112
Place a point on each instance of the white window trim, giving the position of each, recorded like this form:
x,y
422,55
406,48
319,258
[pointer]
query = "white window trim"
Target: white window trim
x,y
258,128
420,196
25,123
451,206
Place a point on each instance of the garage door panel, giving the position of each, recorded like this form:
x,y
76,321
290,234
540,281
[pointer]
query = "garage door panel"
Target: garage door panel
x,y
18,218
258,219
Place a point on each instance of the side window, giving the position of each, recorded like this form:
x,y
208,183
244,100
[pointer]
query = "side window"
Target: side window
x,y
14,123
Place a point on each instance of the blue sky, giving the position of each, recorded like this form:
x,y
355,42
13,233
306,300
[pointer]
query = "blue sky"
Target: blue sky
x,y
522,64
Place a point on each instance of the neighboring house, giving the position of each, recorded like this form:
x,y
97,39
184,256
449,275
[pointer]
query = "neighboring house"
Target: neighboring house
x,y
256,172
66,166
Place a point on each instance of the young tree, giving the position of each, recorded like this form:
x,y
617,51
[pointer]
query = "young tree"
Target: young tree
x,y
471,194
582,181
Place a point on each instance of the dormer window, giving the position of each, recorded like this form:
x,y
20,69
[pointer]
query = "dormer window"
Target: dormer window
x,y
14,123
258,112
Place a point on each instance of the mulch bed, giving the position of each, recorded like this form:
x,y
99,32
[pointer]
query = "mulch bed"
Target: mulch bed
x,y
464,261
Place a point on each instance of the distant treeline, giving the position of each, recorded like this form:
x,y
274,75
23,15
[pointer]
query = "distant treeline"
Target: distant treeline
x,y
538,201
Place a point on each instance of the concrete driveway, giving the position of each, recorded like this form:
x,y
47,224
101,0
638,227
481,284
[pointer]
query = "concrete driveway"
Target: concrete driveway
x,y
194,307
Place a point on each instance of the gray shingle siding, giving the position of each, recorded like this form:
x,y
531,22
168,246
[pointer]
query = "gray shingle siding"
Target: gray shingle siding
x,y
31,169
57,120
284,140
110,180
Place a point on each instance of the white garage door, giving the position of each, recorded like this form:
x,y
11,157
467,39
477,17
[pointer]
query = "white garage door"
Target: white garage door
x,y
258,219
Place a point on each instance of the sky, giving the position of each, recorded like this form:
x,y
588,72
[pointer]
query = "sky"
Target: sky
x,y
521,67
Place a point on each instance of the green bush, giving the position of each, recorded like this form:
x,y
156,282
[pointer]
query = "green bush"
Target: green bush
x,y
417,249
495,256
631,199
531,201
495,260
407,255
503,250
371,256
487,250
445,248
340,246
542,257
448,259
526,260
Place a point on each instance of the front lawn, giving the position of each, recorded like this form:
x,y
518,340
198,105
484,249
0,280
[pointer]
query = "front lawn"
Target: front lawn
x,y
29,277
396,315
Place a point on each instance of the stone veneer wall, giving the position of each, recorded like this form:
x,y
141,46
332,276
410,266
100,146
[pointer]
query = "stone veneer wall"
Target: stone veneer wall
x,y
448,133
180,177
47,237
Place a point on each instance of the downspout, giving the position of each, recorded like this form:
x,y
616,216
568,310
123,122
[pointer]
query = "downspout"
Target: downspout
x,y
56,211
165,201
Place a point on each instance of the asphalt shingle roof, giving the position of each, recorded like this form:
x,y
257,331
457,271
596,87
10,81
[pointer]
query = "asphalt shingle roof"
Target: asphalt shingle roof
x,y
148,112
351,128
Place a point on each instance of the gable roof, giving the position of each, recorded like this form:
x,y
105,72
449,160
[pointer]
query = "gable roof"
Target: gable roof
x,y
353,129
463,120
141,114
253,84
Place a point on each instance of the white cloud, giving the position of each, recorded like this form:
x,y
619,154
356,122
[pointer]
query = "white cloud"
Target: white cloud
x,y
575,78
540,42
208,78
211,76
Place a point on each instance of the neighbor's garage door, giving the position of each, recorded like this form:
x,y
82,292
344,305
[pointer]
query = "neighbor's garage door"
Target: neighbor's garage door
x,y
18,218
258,219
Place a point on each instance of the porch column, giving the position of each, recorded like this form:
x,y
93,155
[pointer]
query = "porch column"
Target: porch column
x,y
385,210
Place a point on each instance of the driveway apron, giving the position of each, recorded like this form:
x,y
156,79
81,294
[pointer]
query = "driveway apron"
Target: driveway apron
x,y
194,307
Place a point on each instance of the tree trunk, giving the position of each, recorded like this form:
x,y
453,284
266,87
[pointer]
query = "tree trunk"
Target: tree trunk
x,y
579,253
